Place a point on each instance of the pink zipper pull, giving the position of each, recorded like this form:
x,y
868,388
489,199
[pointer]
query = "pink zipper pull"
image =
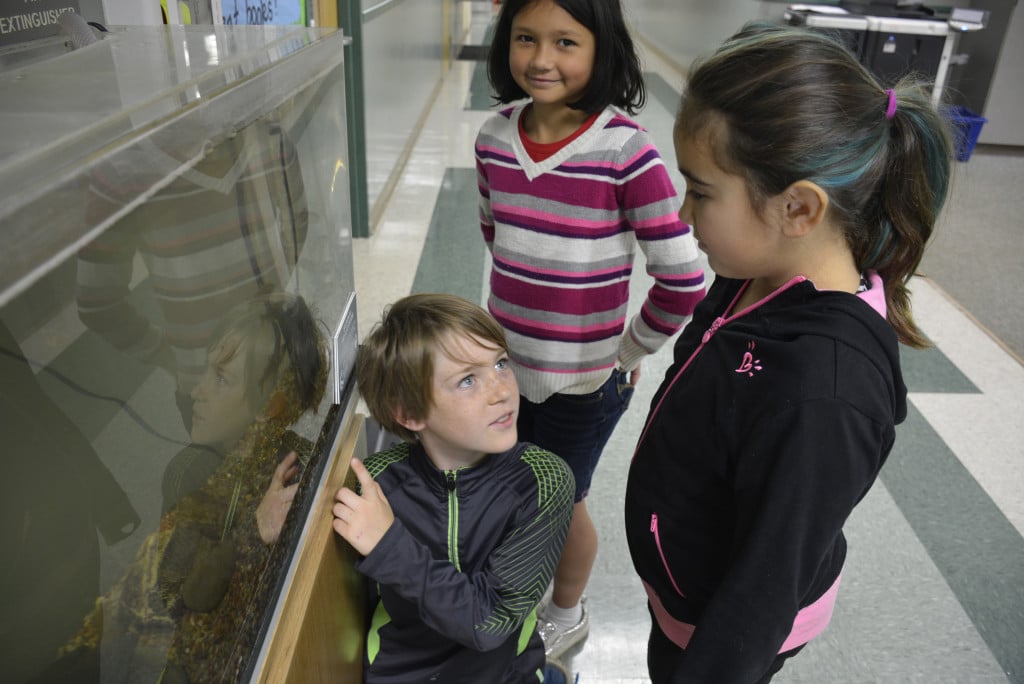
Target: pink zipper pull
x,y
661,552
715,325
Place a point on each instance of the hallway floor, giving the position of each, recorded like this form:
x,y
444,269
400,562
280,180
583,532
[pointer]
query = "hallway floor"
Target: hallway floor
x,y
933,589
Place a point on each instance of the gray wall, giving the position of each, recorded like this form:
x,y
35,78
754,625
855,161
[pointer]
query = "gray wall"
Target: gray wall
x,y
403,55
682,30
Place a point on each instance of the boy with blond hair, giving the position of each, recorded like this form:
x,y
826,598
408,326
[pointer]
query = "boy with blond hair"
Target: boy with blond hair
x,y
461,525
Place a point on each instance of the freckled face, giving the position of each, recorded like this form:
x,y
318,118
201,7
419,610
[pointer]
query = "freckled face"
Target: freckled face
x,y
551,55
475,404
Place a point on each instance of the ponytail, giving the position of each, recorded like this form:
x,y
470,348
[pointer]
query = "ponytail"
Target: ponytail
x,y
911,190
799,106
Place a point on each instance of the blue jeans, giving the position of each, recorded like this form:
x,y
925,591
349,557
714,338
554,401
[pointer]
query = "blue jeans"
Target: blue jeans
x,y
576,426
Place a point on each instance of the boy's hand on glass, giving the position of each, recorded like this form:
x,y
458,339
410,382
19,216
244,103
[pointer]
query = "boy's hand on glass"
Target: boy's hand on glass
x,y
277,501
362,519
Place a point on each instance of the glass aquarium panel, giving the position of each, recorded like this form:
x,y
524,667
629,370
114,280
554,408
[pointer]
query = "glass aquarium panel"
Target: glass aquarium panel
x,y
177,260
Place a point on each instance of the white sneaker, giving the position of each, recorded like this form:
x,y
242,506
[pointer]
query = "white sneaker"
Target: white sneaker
x,y
557,640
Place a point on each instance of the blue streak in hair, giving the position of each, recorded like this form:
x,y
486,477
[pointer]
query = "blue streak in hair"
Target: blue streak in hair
x,y
845,164
880,244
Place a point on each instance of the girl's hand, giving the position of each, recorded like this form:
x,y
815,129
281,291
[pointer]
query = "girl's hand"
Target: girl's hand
x,y
634,375
272,511
362,519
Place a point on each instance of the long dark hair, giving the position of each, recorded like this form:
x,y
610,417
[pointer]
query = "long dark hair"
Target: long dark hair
x,y
616,78
284,351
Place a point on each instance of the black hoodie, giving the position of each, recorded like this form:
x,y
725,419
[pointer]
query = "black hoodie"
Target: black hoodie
x,y
770,426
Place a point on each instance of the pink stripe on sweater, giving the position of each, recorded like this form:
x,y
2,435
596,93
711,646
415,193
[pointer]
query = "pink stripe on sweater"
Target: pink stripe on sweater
x,y
591,165
642,152
623,268
560,299
670,221
568,371
673,301
657,323
589,193
612,326
496,151
610,164
554,219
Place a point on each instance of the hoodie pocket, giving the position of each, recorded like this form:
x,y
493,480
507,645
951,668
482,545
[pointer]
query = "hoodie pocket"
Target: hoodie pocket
x,y
661,552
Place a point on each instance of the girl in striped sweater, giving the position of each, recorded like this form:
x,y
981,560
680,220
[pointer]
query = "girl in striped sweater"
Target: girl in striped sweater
x,y
569,187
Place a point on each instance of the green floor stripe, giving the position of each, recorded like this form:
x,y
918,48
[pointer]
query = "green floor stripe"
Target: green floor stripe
x,y
479,98
978,551
928,370
454,255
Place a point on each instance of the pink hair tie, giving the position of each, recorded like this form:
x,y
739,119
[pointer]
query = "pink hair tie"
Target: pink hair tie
x,y
890,110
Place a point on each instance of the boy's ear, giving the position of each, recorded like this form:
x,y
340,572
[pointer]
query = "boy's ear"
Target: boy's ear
x,y
276,406
410,424
806,205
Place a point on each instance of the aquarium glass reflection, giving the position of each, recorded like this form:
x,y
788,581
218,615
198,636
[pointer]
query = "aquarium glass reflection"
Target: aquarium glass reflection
x,y
165,355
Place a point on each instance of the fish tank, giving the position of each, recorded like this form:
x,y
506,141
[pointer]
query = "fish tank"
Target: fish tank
x,y
176,338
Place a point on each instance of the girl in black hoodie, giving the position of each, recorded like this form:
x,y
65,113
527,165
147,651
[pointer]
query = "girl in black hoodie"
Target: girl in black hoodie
x,y
813,190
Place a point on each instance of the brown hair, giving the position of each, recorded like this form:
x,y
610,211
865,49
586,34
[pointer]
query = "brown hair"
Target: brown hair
x,y
283,350
394,366
796,105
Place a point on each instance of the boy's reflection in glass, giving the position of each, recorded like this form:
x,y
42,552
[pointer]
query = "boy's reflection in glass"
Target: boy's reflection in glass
x,y
221,411
190,606
219,232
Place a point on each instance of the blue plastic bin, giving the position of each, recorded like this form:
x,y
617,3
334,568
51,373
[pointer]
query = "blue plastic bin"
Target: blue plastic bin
x,y
966,129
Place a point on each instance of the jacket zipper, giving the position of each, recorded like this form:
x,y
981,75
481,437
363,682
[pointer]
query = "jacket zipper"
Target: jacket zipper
x,y
706,337
453,519
661,552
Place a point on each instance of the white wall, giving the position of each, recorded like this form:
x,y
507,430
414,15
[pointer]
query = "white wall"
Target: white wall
x,y
126,12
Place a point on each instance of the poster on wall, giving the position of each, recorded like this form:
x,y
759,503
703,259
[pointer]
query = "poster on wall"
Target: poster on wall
x,y
260,11
22,20
189,12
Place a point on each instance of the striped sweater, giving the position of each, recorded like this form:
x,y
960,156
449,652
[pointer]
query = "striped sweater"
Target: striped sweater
x,y
563,233
222,230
